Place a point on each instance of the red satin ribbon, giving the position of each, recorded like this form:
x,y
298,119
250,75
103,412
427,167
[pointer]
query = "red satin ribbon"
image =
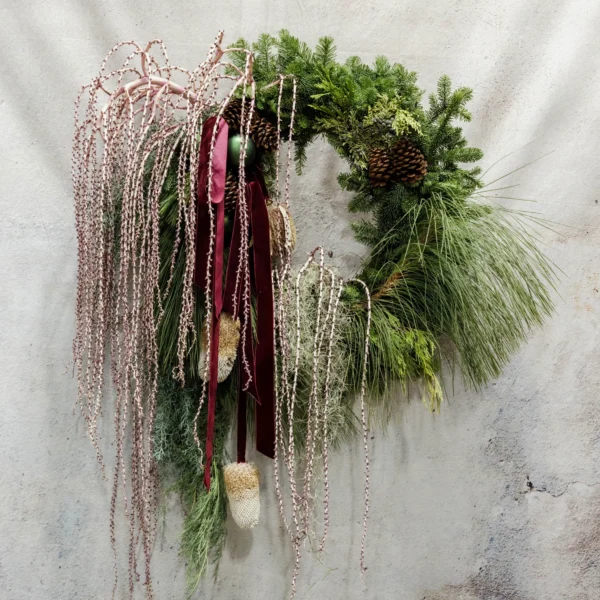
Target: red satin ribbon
x,y
260,356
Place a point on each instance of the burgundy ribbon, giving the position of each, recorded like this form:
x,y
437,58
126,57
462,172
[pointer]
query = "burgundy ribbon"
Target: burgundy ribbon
x,y
219,168
265,324
260,354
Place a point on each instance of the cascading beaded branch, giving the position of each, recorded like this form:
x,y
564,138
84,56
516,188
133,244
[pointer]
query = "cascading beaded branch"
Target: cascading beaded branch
x,y
317,431
287,309
122,151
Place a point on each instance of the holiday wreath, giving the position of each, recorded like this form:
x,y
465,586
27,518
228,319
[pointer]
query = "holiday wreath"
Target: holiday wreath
x,y
186,285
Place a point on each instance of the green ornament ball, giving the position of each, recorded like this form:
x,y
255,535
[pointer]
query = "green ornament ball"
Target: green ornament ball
x,y
233,150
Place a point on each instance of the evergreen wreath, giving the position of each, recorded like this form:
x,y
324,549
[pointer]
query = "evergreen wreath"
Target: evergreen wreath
x,y
450,278
445,264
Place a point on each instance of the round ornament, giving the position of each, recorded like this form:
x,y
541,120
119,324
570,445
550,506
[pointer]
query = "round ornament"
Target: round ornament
x,y
234,146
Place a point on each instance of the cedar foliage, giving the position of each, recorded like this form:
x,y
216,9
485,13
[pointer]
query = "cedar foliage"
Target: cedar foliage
x,y
204,528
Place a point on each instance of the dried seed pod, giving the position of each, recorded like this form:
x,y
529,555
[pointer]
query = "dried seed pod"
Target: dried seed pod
x,y
229,339
242,486
279,214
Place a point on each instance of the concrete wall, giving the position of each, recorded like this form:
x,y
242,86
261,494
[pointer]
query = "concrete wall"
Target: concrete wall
x,y
452,515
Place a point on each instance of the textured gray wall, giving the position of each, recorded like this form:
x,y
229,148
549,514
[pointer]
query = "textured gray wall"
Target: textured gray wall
x,y
452,515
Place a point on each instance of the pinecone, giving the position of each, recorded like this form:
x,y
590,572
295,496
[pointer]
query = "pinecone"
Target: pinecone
x,y
233,112
408,164
262,131
379,167
231,190
264,134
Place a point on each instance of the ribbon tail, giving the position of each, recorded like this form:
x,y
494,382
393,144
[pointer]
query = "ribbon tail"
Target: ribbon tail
x,y
219,165
217,191
265,326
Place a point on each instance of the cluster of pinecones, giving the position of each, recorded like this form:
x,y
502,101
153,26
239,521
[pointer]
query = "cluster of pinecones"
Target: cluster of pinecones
x,y
263,133
403,163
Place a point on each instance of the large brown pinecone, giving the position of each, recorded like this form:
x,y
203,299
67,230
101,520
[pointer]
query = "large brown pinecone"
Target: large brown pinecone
x,y
231,190
264,134
233,113
262,131
379,167
408,163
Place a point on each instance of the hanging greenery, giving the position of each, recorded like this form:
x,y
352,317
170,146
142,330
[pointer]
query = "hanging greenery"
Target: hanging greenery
x,y
186,235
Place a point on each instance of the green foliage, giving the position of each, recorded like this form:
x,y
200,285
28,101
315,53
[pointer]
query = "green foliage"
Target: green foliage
x,y
181,470
386,112
452,278
443,264
332,99
398,356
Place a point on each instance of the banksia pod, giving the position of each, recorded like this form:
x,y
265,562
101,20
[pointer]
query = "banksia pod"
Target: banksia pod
x,y
242,487
229,339
408,163
279,214
379,167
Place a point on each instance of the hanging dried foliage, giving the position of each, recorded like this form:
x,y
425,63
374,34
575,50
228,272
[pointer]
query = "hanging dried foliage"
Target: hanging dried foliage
x,y
130,126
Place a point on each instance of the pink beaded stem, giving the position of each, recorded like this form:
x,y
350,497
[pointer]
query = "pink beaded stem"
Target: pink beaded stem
x,y
286,290
363,420
122,150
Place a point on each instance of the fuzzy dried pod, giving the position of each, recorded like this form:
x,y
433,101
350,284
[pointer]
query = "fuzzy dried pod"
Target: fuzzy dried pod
x,y
278,215
242,486
229,339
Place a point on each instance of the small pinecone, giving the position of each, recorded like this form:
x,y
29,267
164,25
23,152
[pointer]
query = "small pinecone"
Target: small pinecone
x,y
262,131
379,167
408,164
264,134
232,113
231,190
